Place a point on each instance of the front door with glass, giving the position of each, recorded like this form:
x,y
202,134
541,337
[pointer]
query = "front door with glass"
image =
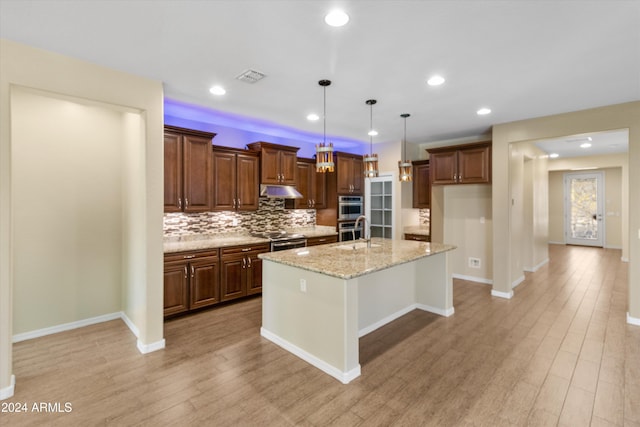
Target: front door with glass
x,y
584,205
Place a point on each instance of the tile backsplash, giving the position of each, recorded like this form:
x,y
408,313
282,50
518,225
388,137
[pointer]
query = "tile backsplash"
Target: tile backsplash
x,y
424,216
271,215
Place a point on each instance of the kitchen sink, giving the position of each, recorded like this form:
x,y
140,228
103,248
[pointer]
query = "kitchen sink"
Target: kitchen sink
x,y
358,245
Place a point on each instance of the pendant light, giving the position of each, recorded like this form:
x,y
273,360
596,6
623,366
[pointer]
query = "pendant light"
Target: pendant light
x,y
324,152
371,161
404,166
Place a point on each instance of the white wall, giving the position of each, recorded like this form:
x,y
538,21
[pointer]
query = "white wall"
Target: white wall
x,y
468,225
67,210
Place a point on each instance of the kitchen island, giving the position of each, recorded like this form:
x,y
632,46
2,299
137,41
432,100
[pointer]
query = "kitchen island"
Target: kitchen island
x,y
318,301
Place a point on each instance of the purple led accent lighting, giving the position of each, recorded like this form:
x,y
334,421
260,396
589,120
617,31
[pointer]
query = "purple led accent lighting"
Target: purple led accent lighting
x,y
237,131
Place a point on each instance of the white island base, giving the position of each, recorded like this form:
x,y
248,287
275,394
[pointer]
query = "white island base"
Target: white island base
x,y
319,317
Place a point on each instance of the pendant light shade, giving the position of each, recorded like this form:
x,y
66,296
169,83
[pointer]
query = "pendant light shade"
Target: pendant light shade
x,y
404,166
324,151
371,160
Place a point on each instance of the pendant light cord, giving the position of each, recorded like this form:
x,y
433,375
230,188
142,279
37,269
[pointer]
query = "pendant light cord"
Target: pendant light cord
x,y
324,115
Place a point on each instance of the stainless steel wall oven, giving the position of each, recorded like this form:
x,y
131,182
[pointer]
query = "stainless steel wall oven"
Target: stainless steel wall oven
x,y
350,207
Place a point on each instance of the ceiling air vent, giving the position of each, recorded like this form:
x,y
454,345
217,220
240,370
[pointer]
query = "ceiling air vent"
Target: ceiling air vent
x,y
251,76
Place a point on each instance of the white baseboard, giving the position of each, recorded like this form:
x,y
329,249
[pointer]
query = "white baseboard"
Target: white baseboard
x,y
446,313
132,327
65,327
380,323
507,295
551,242
143,348
343,377
536,267
8,391
473,279
148,348
633,320
613,247
517,281
623,259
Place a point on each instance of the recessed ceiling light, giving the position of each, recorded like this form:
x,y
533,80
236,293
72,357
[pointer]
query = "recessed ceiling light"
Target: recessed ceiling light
x,y
217,90
373,132
336,18
554,155
483,111
435,81
313,117
585,145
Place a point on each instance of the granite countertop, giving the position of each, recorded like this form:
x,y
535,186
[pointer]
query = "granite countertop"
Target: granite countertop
x,y
417,229
194,242
348,264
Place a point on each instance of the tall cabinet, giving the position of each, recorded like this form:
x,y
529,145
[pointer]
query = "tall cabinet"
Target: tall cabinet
x,y
188,170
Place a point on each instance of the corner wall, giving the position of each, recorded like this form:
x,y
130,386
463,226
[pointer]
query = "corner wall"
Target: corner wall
x,y
21,65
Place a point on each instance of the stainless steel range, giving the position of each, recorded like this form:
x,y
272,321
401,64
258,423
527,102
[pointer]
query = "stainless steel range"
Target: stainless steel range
x,y
281,240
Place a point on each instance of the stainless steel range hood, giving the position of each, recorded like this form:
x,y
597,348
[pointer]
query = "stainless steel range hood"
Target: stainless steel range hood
x,y
279,191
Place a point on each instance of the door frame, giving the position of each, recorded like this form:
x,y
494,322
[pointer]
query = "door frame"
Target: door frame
x,y
600,176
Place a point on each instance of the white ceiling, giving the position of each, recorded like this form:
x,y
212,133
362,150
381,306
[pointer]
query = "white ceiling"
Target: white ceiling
x,y
522,59
608,142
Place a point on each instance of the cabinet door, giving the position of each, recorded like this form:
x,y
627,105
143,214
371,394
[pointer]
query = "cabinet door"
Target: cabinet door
x,y
421,186
305,185
443,167
321,189
204,281
233,277
270,166
288,163
254,274
248,182
172,172
322,240
357,170
344,172
224,179
198,174
474,165
176,290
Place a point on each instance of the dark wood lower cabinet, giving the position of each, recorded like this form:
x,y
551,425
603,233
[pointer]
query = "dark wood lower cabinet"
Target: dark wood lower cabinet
x,y
191,280
199,279
321,240
241,271
176,295
418,237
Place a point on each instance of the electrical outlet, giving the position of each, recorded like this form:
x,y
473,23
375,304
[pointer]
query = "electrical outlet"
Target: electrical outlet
x,y
303,285
474,262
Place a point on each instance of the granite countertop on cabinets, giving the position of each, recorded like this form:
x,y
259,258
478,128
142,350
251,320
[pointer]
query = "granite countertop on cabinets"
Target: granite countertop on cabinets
x,y
422,230
195,242
339,260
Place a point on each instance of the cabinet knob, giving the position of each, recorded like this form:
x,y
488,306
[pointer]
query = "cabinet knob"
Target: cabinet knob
x,y
179,203
246,249
244,263
185,272
186,202
193,271
249,261
239,203
188,256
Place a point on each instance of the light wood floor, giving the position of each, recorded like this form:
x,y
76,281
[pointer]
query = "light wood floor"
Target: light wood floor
x,y
558,353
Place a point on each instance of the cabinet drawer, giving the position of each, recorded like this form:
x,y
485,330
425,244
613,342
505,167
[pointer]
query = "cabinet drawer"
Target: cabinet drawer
x,y
418,237
260,247
321,240
182,256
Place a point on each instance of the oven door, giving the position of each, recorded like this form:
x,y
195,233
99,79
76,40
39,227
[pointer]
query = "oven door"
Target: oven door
x,y
346,231
283,245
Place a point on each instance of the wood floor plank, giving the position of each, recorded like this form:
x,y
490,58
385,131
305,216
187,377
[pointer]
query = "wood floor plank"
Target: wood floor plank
x,y
558,353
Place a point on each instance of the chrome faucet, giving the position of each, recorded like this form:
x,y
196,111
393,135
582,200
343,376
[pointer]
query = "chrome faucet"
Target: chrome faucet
x,y
367,230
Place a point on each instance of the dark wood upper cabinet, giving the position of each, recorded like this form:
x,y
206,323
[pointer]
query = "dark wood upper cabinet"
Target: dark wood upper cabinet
x,y
311,184
188,170
461,164
236,179
421,184
350,173
277,163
